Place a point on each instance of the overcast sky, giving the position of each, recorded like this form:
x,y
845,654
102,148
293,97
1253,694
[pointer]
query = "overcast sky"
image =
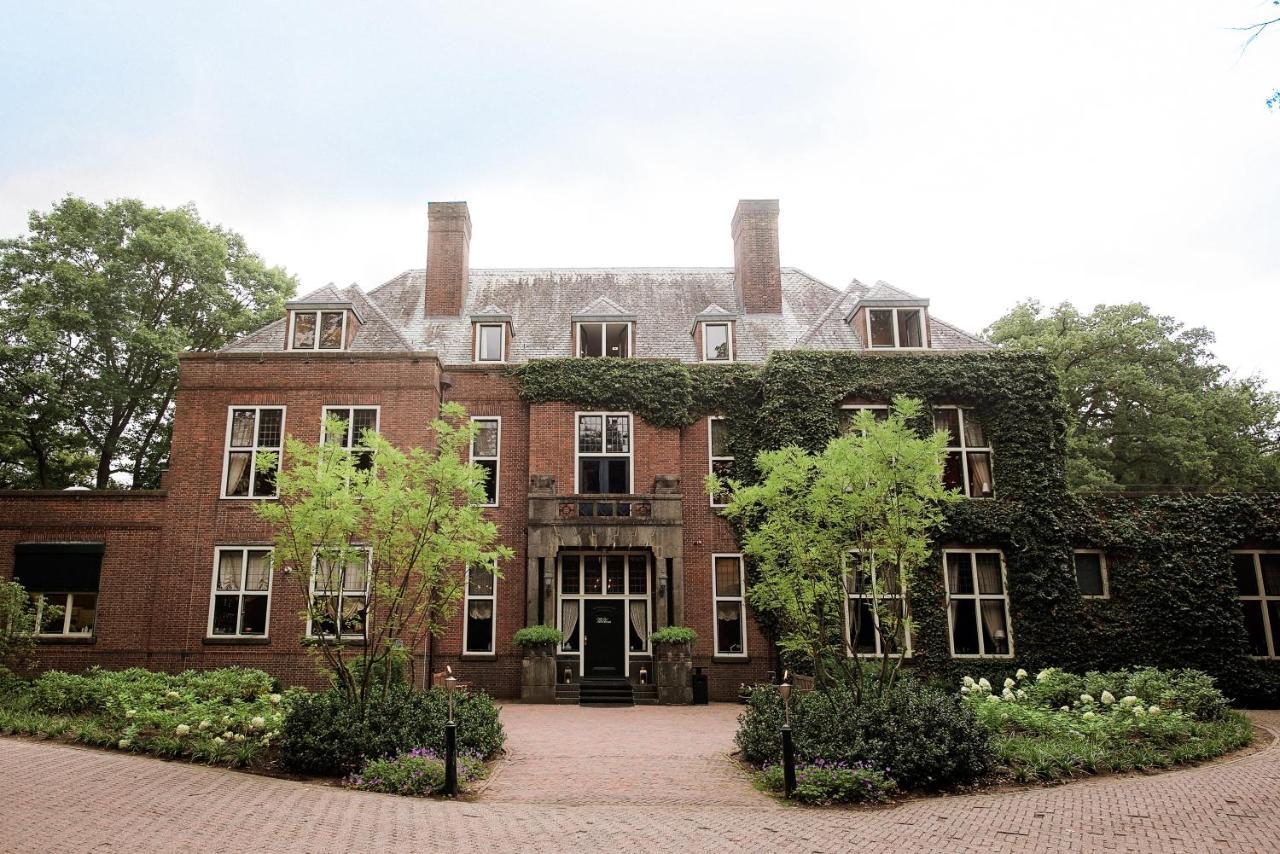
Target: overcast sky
x,y
975,153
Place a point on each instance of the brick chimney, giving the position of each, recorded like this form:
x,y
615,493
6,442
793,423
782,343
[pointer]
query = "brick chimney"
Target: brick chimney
x,y
448,253
757,274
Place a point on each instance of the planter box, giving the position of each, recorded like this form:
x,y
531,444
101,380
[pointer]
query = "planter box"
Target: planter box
x,y
673,669
538,674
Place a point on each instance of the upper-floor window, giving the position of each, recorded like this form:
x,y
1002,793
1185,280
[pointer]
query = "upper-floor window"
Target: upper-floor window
x,y
1091,573
355,421
848,411
251,432
479,627
339,595
317,330
867,584
604,452
491,342
608,338
717,342
730,603
895,328
1258,586
241,596
977,603
486,450
721,462
968,463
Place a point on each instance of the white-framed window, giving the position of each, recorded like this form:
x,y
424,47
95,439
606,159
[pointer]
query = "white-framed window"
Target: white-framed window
x,y
339,595
720,461
240,602
968,462
1258,585
491,342
895,328
355,421
317,330
603,453
880,411
977,603
604,575
486,452
862,616
597,339
79,612
251,430
717,342
728,593
480,611
1091,573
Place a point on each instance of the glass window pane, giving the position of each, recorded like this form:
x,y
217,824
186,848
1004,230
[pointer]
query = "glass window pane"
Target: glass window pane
x,y
989,580
637,574
485,443
589,477
716,343
480,626
304,330
618,435
959,574
229,570
616,341
974,435
590,434
862,629
253,620
720,438
490,480
258,574
480,581
355,578
615,567
242,421
270,422
964,627
1270,574
238,464
592,574
590,339
264,481
1246,574
637,624
729,627
909,327
331,330
1273,611
225,614
340,435
619,472
881,327
995,627
1255,628
948,420
569,574
322,618
953,472
80,613
491,343
353,615
728,576
722,469
980,483
569,625
363,419
1089,573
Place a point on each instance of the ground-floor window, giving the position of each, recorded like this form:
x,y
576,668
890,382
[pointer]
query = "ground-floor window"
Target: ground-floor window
x,y
62,579
1258,584
480,606
977,603
867,583
729,601
339,595
241,592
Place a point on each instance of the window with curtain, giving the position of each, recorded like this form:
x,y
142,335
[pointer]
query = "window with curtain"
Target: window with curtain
x,y
612,575
604,453
862,616
721,462
486,450
355,421
339,595
968,462
1091,573
729,604
241,592
251,432
64,576
977,603
480,607
1258,587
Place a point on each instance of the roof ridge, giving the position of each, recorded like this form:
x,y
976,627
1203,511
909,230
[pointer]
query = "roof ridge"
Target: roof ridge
x,y
826,312
382,315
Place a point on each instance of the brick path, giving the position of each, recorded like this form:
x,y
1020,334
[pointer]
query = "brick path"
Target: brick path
x,y
682,798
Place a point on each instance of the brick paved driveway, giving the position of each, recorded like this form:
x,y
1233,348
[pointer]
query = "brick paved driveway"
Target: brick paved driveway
x,y
616,798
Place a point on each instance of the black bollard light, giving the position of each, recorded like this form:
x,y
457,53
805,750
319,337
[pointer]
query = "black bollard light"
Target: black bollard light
x,y
788,748
450,740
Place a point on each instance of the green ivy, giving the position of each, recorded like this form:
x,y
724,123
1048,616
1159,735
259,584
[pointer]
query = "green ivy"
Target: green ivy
x,y
1172,587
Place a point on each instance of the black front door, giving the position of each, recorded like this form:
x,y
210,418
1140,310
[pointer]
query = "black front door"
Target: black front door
x,y
605,641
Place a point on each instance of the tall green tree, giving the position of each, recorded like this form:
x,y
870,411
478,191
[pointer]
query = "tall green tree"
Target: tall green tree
x,y
1150,406
96,303
856,518
379,552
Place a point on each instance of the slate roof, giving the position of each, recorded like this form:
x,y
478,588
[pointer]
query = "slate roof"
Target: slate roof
x,y
664,302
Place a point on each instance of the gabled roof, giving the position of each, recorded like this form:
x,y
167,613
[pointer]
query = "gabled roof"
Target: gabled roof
x,y
603,308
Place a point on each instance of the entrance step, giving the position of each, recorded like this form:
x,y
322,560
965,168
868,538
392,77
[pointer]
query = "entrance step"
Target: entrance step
x,y
645,695
606,692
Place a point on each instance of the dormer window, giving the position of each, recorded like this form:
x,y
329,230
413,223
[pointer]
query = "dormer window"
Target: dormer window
x,y
895,328
317,330
717,342
604,339
491,342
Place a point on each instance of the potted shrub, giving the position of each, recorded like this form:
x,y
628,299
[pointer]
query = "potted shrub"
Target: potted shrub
x,y
538,669
673,660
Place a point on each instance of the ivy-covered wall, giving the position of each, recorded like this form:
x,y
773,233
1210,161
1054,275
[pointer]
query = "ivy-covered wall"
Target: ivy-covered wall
x,y
1171,581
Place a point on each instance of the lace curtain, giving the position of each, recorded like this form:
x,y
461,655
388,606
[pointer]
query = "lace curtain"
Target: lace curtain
x,y
640,620
568,621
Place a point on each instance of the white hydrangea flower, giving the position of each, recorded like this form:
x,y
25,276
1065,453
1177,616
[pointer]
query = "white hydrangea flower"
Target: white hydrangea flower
x,y
983,683
128,713
123,743
217,741
1009,683
1108,698
172,695
1153,710
258,722
1007,694
1021,674
275,699
1088,716
964,689
1065,709
204,725
992,698
1086,698
1021,694
228,735
1128,700
1140,712
181,729
1044,674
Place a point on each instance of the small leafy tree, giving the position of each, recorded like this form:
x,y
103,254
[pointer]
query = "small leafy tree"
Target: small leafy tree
x,y
859,516
18,627
403,529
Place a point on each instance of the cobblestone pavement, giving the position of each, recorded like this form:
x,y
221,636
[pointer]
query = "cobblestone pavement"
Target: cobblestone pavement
x,y
621,780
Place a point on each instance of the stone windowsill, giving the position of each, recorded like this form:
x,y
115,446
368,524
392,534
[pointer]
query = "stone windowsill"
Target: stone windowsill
x,y
66,640
230,641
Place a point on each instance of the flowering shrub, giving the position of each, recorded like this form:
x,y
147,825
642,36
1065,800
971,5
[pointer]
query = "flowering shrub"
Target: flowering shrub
x,y
417,773
823,782
1059,725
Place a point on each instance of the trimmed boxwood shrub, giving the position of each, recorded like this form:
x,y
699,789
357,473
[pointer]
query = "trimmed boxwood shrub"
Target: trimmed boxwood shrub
x,y
920,736
673,635
531,636
325,734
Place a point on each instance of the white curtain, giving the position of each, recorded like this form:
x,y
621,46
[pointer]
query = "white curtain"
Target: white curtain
x,y
640,619
993,623
235,470
568,619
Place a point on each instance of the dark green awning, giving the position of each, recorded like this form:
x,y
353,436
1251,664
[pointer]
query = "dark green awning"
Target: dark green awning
x,y
58,567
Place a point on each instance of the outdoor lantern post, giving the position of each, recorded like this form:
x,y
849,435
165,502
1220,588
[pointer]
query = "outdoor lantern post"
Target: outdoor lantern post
x,y
450,739
788,748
